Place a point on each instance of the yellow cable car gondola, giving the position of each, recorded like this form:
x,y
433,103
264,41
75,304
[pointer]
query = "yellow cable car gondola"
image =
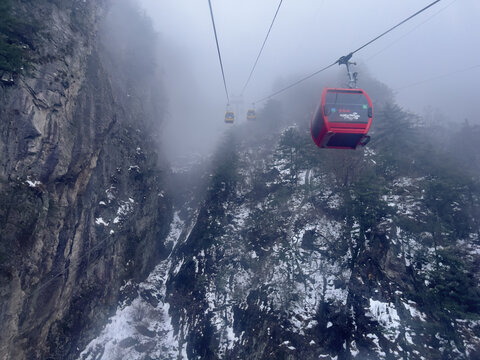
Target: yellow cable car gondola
x,y
229,117
251,115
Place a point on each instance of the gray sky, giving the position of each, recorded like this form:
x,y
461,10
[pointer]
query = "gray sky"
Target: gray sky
x,y
310,34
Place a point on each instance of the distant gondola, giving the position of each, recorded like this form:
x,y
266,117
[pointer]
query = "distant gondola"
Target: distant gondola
x,y
342,119
251,115
229,117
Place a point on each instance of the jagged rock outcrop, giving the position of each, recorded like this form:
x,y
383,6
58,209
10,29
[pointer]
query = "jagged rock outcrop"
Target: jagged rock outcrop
x,y
83,205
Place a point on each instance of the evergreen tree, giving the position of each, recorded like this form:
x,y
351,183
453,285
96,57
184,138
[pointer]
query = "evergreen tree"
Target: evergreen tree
x,y
16,40
290,144
395,138
453,286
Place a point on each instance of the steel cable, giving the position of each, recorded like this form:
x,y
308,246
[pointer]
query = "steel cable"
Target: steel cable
x,y
218,50
350,54
261,49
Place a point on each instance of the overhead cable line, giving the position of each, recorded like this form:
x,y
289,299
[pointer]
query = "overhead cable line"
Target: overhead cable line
x,y
296,83
261,49
438,77
68,265
346,58
415,28
218,50
394,27
64,271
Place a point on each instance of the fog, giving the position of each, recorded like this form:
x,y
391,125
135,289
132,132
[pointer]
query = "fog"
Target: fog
x,y
308,35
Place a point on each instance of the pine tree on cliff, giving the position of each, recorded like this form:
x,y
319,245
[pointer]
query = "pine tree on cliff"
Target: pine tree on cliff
x,y
16,40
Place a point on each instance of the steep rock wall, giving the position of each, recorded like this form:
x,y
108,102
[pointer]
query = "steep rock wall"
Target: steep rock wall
x,y
77,172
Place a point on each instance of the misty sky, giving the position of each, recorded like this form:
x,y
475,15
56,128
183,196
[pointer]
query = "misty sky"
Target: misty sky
x,y
310,34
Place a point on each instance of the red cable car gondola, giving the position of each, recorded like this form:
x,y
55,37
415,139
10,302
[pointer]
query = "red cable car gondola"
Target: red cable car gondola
x,y
342,119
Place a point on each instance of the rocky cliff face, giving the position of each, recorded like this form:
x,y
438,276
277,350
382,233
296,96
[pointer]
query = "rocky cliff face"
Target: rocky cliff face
x,y
83,201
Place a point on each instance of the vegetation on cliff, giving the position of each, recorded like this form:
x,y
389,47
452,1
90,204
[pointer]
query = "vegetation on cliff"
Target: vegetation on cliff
x,y
16,39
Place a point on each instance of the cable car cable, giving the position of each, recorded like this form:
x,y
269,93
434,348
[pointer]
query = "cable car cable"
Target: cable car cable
x,y
261,49
296,83
394,27
218,50
437,77
65,269
415,28
344,59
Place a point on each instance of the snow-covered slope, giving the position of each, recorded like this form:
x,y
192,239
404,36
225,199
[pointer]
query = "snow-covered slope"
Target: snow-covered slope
x,y
294,254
